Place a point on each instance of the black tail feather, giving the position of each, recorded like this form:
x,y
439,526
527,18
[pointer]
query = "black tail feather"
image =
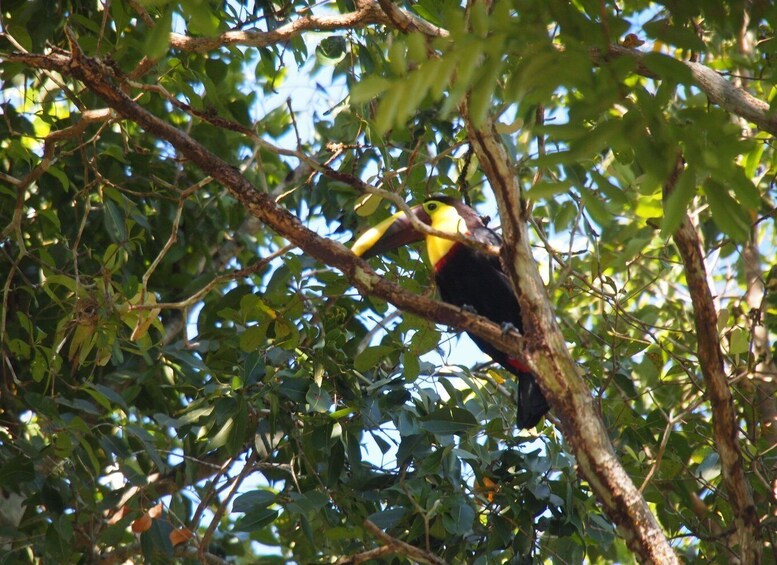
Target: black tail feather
x,y
532,405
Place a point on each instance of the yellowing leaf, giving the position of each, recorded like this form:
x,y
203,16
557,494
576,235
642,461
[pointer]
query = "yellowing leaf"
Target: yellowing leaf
x,y
142,524
180,536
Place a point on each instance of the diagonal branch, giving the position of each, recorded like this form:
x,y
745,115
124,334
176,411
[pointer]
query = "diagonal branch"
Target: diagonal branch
x,y
718,90
102,81
551,361
416,554
724,418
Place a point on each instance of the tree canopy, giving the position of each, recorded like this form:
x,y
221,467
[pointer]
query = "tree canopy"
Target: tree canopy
x,y
194,368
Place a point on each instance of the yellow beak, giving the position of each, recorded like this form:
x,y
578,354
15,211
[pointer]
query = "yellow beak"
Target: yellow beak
x,y
391,233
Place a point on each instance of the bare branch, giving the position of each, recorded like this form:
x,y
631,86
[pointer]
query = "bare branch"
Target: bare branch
x,y
247,469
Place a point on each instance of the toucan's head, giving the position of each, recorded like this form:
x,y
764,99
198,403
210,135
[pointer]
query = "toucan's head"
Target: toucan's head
x,y
440,212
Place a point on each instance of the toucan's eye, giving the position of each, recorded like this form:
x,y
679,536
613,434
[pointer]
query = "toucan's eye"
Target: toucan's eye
x,y
432,206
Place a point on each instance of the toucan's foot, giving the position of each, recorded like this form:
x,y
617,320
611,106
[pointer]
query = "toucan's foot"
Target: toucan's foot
x,y
468,308
507,327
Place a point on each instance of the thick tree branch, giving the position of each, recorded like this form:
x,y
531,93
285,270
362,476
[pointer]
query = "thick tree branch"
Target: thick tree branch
x,y
407,22
718,90
546,348
724,418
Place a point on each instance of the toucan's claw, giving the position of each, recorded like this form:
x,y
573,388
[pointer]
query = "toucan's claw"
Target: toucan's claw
x,y
469,308
507,327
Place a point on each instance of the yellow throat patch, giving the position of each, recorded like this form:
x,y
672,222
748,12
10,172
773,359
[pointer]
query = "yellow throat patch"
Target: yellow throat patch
x,y
445,218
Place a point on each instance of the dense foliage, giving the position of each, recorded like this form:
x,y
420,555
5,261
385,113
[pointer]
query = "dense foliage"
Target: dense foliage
x,y
179,383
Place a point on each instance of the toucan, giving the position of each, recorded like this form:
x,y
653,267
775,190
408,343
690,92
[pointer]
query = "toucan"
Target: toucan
x,y
465,277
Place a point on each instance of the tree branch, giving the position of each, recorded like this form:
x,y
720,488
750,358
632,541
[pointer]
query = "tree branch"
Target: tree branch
x,y
551,361
718,90
398,546
724,418
367,13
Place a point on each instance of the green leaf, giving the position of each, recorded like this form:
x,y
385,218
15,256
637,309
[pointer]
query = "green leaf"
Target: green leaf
x,y
295,388
676,206
727,213
738,341
367,204
397,57
155,542
371,357
331,50
318,399
411,367
674,34
668,67
424,340
16,471
596,208
369,88
616,194
386,519
449,420
219,439
458,520
548,190
202,18
60,175
194,415
115,221
157,38
253,338
21,35
305,503
237,436
386,115
753,158
256,519
253,500
744,189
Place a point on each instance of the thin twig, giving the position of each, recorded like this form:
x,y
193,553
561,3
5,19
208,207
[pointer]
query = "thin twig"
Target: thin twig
x,y
247,469
197,296
401,547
